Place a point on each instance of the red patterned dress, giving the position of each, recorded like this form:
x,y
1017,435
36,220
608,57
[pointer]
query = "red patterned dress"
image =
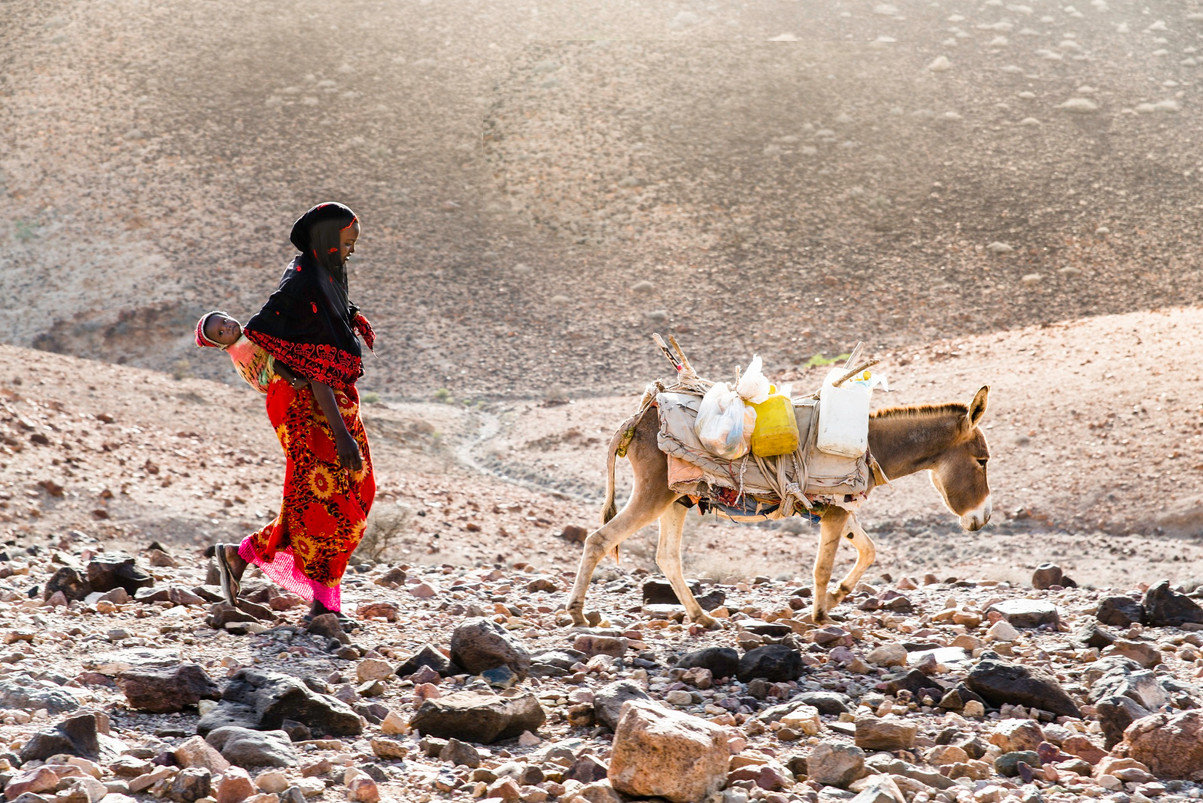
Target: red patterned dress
x,y
325,507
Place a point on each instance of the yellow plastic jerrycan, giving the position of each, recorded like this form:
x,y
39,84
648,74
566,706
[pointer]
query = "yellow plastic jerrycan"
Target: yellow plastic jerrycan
x,y
776,431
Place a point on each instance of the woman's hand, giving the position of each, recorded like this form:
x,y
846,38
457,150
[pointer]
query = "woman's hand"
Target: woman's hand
x,y
348,452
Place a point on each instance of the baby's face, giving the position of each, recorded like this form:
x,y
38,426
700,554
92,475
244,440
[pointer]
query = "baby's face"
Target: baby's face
x,y
222,329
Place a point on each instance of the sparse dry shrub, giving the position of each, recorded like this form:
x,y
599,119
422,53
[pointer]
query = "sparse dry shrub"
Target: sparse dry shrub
x,y
385,531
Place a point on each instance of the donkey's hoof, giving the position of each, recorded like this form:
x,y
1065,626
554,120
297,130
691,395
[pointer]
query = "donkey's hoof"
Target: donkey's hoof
x,y
708,622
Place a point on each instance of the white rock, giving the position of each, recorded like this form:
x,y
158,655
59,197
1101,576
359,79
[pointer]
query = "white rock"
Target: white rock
x,y
1002,630
939,64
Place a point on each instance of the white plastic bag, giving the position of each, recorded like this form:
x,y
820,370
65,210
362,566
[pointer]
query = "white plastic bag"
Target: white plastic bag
x,y
724,424
754,386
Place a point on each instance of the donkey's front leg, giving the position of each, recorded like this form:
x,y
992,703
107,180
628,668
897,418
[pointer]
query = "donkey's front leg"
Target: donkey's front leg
x,y
668,558
866,552
831,529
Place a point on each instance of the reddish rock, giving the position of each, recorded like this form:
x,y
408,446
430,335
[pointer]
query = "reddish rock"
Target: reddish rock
x,y
1169,744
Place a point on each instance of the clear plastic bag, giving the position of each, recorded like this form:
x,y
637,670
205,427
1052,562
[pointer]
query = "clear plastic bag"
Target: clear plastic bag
x,y
724,424
753,385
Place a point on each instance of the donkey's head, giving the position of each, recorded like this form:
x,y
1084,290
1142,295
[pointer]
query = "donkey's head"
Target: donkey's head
x,y
959,473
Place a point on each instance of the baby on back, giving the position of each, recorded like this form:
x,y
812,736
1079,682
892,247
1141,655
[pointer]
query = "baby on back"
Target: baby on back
x,y
253,363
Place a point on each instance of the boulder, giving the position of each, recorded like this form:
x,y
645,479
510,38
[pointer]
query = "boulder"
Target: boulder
x,y
773,662
1014,735
69,581
1169,744
77,735
1115,714
429,656
24,693
263,700
481,644
477,716
609,699
998,682
117,570
162,691
1164,607
885,733
835,764
1120,611
197,753
662,753
243,747
723,662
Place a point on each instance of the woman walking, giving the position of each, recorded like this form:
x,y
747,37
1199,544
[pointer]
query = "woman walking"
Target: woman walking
x,y
310,326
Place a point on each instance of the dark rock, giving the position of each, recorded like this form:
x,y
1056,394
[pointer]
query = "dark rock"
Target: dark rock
x,y
1115,714
263,700
297,731
69,581
829,703
161,691
190,785
658,591
998,682
75,736
1120,611
1165,607
773,662
480,717
222,614
460,754
956,697
247,748
556,663
1008,763
911,680
328,626
429,656
481,644
1047,575
608,700
117,570
587,769
723,662
1092,635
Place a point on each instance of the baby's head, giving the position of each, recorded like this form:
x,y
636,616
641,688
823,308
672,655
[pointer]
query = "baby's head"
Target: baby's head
x,y
217,329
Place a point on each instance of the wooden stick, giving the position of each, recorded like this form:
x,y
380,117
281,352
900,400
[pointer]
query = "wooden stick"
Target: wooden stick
x,y
664,348
854,372
685,366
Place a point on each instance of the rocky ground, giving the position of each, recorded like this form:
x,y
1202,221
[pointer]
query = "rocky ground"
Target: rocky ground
x,y
985,193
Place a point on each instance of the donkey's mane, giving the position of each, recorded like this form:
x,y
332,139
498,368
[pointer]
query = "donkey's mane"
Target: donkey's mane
x,y
922,411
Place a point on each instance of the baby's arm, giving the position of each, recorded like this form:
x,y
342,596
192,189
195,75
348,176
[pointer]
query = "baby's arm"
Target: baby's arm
x,y
290,376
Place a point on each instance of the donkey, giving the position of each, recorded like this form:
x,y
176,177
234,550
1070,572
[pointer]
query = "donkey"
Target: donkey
x,y
945,440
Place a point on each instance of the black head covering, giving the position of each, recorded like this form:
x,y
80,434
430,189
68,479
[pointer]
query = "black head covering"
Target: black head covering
x,y
308,322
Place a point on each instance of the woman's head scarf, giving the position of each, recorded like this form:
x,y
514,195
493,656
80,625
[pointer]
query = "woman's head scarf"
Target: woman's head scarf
x,y
308,323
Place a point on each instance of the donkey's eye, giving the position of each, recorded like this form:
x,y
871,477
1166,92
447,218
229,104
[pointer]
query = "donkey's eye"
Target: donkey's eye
x,y
982,461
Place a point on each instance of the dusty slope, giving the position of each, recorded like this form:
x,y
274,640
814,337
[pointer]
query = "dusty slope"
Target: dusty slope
x,y
543,186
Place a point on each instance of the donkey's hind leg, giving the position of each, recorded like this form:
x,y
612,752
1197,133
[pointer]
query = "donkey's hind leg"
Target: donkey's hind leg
x,y
831,528
668,558
639,511
866,552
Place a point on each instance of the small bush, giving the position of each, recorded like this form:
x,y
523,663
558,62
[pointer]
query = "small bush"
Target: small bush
x,y
371,397
383,536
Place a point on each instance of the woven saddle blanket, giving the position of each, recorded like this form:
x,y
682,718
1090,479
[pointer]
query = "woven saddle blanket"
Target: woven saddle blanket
x,y
760,487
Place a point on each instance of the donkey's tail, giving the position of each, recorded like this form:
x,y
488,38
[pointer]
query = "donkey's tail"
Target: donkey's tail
x,y
618,448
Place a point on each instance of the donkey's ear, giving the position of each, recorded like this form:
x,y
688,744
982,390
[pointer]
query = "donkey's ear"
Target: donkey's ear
x,y
977,407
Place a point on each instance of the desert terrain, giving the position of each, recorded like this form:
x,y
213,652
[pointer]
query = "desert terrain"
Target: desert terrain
x,y
983,193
